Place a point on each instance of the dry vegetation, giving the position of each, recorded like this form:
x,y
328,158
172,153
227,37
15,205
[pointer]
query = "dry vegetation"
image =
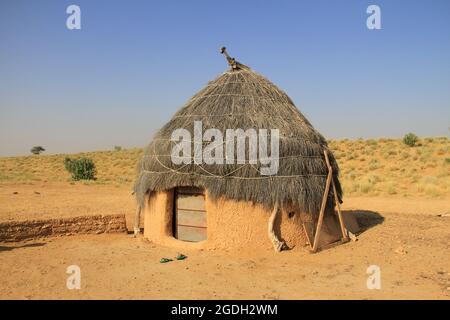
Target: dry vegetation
x,y
113,167
383,167
387,167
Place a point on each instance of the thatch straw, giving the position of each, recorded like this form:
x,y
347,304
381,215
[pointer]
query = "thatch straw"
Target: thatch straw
x,y
241,98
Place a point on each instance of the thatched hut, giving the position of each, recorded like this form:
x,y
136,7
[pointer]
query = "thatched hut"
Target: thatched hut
x,y
229,205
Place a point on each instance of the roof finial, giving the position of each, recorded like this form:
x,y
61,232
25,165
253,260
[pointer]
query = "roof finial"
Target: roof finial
x,y
231,61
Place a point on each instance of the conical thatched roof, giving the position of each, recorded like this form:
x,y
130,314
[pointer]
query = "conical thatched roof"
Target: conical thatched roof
x,y
241,98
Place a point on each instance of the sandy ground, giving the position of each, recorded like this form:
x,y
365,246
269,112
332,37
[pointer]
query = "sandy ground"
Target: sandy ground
x,y
63,200
411,247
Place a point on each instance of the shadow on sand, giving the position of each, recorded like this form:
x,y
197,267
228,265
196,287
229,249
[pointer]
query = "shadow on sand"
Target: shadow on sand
x,y
29,245
366,219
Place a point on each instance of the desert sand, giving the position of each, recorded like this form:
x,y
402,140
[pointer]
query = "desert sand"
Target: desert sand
x,y
407,238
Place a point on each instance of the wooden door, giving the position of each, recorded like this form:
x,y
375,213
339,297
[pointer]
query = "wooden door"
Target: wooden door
x,y
189,214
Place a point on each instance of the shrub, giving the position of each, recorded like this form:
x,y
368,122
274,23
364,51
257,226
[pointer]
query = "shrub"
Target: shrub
x,y
353,187
410,139
37,150
392,153
117,148
391,189
81,169
432,191
365,187
441,151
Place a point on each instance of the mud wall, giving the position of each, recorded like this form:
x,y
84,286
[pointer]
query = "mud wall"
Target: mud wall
x,y
230,224
23,230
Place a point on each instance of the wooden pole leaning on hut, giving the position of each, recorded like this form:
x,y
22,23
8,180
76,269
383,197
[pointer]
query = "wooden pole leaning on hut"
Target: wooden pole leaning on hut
x,y
338,207
330,181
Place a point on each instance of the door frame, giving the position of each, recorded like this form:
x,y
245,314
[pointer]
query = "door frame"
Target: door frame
x,y
176,191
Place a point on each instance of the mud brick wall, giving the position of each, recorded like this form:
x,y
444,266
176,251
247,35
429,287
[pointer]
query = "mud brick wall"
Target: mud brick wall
x,y
23,230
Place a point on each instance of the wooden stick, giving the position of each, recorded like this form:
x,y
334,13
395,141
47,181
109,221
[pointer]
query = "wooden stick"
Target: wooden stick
x,y
277,244
336,200
322,208
341,220
231,61
137,221
307,235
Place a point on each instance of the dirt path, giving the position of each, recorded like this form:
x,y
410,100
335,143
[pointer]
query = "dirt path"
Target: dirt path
x,y
411,250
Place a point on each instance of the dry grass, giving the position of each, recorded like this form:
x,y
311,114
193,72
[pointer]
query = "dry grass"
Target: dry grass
x,y
387,167
383,167
113,167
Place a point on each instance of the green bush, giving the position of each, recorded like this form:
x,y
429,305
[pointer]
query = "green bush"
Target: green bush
x,y
37,150
410,139
81,169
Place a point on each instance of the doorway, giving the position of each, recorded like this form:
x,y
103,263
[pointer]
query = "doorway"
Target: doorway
x,y
189,214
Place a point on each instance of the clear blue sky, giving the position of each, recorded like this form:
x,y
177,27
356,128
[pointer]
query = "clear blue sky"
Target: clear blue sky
x,y
134,63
